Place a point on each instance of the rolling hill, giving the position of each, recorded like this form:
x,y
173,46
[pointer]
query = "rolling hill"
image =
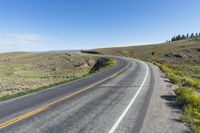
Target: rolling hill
x,y
22,71
186,52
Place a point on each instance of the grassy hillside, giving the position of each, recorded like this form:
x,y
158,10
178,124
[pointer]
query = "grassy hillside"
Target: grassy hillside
x,y
178,52
183,54
21,71
180,60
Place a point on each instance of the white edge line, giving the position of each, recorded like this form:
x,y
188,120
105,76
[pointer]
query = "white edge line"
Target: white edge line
x,y
114,127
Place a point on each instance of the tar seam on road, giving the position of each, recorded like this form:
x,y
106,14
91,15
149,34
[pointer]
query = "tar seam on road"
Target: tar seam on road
x,y
114,127
44,107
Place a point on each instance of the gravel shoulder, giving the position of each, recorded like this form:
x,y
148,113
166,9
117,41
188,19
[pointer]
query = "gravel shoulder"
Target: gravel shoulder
x,y
162,114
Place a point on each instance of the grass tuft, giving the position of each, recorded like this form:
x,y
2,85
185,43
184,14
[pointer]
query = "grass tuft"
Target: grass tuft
x,y
188,81
191,107
170,74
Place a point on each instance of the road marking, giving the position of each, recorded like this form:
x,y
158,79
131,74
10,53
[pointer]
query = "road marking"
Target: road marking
x,y
50,88
114,127
44,107
24,116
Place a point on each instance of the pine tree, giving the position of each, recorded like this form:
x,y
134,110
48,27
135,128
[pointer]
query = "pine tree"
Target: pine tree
x,y
178,37
192,35
173,39
187,36
183,37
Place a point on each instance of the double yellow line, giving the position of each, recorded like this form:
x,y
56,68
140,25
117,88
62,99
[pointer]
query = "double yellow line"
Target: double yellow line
x,y
44,107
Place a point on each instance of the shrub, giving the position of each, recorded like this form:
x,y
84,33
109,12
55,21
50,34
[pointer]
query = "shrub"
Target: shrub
x,y
171,75
102,63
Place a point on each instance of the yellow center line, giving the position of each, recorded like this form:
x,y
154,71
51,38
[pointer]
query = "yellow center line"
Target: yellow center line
x,y
44,107
19,118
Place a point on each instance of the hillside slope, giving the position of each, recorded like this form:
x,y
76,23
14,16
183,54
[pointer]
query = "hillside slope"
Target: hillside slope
x,y
177,52
21,71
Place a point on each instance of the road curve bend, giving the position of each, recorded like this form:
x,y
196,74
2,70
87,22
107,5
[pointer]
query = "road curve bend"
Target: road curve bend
x,y
115,100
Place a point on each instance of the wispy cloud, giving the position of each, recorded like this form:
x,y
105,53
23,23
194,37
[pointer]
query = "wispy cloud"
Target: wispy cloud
x,y
20,38
18,42
29,42
25,37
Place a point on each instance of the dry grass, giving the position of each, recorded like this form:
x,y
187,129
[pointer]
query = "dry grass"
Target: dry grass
x,y
21,71
184,52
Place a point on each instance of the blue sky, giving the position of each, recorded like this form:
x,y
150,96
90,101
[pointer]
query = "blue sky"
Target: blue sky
x,y
39,25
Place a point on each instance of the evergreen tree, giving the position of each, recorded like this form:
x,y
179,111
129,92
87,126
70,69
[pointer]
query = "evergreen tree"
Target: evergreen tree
x,y
183,37
187,36
173,39
192,35
178,37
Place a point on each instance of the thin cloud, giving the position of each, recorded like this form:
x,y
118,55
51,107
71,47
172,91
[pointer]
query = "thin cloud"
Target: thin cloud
x,y
28,42
17,42
19,38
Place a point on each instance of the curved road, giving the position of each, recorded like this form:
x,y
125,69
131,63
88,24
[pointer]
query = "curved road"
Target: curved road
x,y
115,100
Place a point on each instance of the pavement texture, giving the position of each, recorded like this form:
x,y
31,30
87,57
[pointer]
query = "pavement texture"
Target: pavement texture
x,y
97,109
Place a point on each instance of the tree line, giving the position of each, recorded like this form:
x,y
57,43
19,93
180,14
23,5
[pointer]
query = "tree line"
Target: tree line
x,y
181,37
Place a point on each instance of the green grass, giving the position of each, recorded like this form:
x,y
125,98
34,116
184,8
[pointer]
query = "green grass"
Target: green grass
x,y
190,75
196,128
170,74
192,71
19,70
188,81
179,77
76,76
185,97
191,107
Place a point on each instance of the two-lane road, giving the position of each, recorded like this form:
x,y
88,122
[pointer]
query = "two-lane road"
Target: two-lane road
x,y
114,100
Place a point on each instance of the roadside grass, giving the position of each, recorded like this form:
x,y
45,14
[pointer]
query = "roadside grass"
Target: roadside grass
x,y
190,75
179,77
192,71
108,64
180,61
185,95
188,81
170,74
190,104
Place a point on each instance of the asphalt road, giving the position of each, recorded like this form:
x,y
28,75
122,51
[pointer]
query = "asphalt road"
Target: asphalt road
x,y
115,100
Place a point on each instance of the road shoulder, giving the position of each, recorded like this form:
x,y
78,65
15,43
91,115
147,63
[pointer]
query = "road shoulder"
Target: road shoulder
x,y
162,114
